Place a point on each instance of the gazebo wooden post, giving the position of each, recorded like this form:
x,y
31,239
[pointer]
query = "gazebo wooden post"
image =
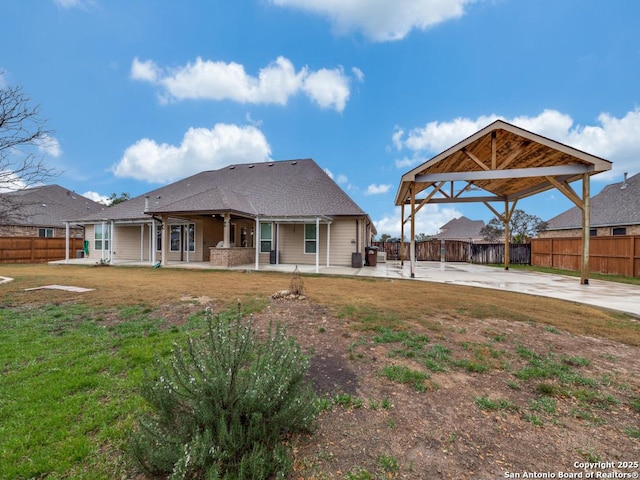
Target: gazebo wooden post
x,y
402,235
586,228
507,234
412,252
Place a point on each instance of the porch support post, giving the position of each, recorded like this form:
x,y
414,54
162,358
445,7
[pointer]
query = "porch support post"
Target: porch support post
x,y
413,231
227,230
277,244
328,243
317,244
165,240
586,228
153,242
112,237
257,237
142,242
103,240
66,242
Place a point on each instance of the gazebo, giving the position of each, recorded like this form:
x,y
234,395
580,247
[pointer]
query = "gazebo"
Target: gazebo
x,y
500,164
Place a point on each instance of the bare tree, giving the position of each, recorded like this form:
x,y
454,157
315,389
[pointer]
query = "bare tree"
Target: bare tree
x,y
22,138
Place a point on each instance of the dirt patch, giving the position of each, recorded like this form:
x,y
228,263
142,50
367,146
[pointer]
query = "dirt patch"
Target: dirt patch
x,y
379,427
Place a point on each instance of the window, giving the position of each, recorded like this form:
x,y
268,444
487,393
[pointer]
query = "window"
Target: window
x,y
310,238
593,232
158,238
190,237
175,238
266,237
45,232
619,231
101,232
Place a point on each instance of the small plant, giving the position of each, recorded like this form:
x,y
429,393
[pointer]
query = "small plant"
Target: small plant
x,y
358,474
386,404
222,406
632,432
402,374
388,463
543,404
485,403
533,418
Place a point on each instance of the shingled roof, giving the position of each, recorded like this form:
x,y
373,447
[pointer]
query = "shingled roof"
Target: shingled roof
x,y
46,206
461,229
291,188
616,204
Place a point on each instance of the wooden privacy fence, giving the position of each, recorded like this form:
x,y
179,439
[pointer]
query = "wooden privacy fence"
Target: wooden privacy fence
x,y
459,251
36,249
615,255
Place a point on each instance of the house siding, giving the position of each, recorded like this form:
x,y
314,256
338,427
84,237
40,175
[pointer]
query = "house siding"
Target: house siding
x,y
342,243
33,231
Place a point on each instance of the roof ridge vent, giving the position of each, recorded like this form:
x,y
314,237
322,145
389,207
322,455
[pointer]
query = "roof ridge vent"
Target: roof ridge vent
x,y
295,162
251,166
232,167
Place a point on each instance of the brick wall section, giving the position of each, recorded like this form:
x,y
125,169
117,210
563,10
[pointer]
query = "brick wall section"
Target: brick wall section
x,y
229,257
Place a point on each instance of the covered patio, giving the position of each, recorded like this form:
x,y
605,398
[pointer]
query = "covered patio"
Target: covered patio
x,y
500,164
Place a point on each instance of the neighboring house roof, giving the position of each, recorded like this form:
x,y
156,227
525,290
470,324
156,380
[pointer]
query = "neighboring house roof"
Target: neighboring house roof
x,y
291,188
46,206
616,204
461,229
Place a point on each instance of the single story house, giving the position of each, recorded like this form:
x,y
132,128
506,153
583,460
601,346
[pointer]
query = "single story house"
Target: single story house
x,y
461,229
43,211
614,211
268,212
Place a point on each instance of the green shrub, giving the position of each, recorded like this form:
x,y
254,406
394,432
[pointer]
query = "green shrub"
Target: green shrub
x,y
223,406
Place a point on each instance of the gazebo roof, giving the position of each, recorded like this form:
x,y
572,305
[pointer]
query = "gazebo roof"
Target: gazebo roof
x,y
505,161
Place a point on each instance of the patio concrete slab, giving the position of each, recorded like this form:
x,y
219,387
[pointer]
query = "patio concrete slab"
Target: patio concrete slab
x,y
600,293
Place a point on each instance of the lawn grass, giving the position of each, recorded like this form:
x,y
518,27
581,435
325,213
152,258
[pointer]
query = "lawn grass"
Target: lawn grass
x,y
70,363
67,390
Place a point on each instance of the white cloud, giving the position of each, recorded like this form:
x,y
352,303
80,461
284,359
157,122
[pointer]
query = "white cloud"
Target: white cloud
x,y
381,20
614,139
73,3
96,197
146,71
374,189
201,149
428,220
342,179
328,88
275,83
49,145
359,74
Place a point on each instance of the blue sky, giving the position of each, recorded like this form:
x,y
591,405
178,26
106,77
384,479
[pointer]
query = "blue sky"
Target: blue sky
x,y
140,93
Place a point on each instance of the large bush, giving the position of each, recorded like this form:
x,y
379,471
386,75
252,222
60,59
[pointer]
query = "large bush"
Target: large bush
x,y
223,407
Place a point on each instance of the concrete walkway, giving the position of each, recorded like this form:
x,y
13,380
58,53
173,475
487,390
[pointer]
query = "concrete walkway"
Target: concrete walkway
x,y
611,295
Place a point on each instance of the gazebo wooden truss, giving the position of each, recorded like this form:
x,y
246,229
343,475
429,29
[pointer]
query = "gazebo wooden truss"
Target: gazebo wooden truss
x,y
505,163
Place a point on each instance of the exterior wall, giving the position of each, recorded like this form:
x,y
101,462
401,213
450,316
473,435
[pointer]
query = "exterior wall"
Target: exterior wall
x,y
600,232
31,231
342,243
